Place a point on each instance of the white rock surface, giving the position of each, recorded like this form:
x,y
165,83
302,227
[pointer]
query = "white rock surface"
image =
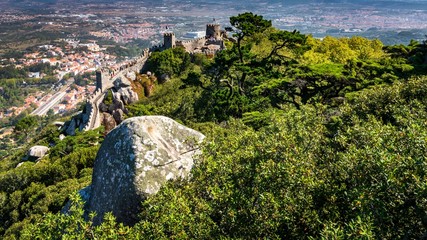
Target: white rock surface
x,y
37,152
135,159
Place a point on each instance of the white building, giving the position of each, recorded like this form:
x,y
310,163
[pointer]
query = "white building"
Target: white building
x,y
194,35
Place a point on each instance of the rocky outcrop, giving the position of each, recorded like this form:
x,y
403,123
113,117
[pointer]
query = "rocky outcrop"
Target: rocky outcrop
x,y
121,82
117,103
131,76
37,152
164,78
58,124
118,116
135,159
127,95
103,107
78,121
108,122
117,80
70,126
94,113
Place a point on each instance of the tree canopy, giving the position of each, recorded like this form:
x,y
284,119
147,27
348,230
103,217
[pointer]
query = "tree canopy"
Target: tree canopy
x,y
306,139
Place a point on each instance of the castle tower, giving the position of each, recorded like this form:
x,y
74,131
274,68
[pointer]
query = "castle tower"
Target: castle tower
x,y
213,30
169,40
101,77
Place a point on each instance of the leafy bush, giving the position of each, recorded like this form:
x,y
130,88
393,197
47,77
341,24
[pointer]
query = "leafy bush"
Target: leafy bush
x,y
171,62
33,190
317,140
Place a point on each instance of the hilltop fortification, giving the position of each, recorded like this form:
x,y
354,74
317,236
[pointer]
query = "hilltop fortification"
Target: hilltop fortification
x,y
106,78
213,31
169,40
211,43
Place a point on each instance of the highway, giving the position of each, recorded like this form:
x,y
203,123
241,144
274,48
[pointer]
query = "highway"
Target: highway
x,y
55,99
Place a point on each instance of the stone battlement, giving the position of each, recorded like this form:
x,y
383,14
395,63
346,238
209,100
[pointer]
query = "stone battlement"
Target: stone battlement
x,y
105,78
190,41
93,111
213,25
169,40
213,37
157,47
190,45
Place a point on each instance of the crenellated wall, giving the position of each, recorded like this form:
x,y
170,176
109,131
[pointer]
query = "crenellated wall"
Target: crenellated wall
x,y
213,31
190,45
105,78
169,40
92,109
209,44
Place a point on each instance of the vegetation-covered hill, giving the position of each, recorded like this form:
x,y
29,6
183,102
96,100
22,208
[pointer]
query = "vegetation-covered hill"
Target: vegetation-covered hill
x,y
307,139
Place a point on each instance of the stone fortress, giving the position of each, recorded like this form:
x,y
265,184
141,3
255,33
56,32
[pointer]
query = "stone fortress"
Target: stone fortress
x,y
108,78
209,44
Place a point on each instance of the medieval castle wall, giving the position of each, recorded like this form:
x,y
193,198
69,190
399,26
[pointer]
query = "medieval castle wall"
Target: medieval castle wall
x,y
169,40
105,77
190,45
213,31
213,37
92,110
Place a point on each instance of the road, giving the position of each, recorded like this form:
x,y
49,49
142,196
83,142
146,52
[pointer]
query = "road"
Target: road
x,y
55,99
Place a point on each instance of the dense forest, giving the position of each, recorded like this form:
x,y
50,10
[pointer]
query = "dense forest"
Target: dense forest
x,y
306,139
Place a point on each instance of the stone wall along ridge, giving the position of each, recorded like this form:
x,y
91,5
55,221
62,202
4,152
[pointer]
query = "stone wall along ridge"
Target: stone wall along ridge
x,y
93,111
105,80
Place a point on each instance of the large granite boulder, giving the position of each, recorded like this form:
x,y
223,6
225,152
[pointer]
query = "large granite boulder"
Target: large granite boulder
x,y
117,104
108,122
121,82
103,107
119,116
128,95
135,159
131,76
70,127
37,152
